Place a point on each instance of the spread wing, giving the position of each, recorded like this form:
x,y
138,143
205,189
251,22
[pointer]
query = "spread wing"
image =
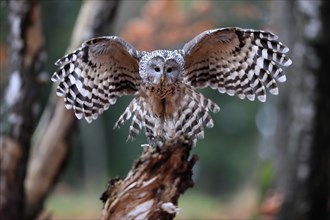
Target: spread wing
x,y
236,61
92,77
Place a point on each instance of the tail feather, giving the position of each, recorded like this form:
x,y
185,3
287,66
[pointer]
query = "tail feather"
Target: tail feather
x,y
189,119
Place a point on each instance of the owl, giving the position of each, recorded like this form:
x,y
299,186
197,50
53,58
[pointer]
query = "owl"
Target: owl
x,y
163,83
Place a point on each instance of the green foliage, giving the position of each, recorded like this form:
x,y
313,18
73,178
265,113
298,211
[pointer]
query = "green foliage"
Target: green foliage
x,y
266,176
3,24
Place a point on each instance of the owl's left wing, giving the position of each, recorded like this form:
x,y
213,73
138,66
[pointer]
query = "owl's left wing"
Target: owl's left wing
x,y
92,77
236,61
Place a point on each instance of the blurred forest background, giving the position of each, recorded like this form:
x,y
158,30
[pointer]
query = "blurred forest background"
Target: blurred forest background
x,y
240,159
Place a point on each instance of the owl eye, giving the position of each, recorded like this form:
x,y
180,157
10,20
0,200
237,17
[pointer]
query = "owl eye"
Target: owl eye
x,y
157,69
169,70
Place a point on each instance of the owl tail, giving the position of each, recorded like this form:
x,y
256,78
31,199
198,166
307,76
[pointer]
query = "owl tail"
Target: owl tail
x,y
193,112
141,118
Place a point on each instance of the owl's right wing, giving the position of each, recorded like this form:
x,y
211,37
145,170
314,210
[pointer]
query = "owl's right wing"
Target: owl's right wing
x,y
236,61
95,75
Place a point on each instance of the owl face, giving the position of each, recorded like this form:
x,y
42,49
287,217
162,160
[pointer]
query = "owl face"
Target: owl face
x,y
162,68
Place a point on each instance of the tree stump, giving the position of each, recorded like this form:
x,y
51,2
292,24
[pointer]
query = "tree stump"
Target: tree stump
x,y
152,188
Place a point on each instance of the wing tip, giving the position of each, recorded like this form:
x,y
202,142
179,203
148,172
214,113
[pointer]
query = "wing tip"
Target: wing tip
x,y
216,109
281,78
58,62
288,62
251,97
274,91
55,77
262,98
210,124
79,115
89,119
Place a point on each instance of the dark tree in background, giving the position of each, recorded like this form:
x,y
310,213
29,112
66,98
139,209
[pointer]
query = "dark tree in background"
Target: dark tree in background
x,y
304,132
21,103
27,178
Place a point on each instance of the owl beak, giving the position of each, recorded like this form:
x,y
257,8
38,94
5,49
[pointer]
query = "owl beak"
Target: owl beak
x,y
162,79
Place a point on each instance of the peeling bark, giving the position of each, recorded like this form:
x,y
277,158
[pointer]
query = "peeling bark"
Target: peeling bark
x,y
152,188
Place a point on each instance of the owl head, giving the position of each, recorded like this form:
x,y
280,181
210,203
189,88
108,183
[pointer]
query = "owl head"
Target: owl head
x,y
161,67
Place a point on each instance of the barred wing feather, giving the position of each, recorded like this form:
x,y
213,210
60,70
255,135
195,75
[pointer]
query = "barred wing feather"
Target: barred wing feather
x,y
236,61
92,77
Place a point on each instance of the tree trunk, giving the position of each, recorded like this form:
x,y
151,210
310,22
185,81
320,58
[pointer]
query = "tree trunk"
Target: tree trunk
x,y
152,188
21,102
53,136
303,149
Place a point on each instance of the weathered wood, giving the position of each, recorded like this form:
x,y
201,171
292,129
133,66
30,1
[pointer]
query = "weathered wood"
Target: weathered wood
x,y
152,188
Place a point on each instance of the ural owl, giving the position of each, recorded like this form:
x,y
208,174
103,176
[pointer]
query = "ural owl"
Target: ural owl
x,y
235,61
